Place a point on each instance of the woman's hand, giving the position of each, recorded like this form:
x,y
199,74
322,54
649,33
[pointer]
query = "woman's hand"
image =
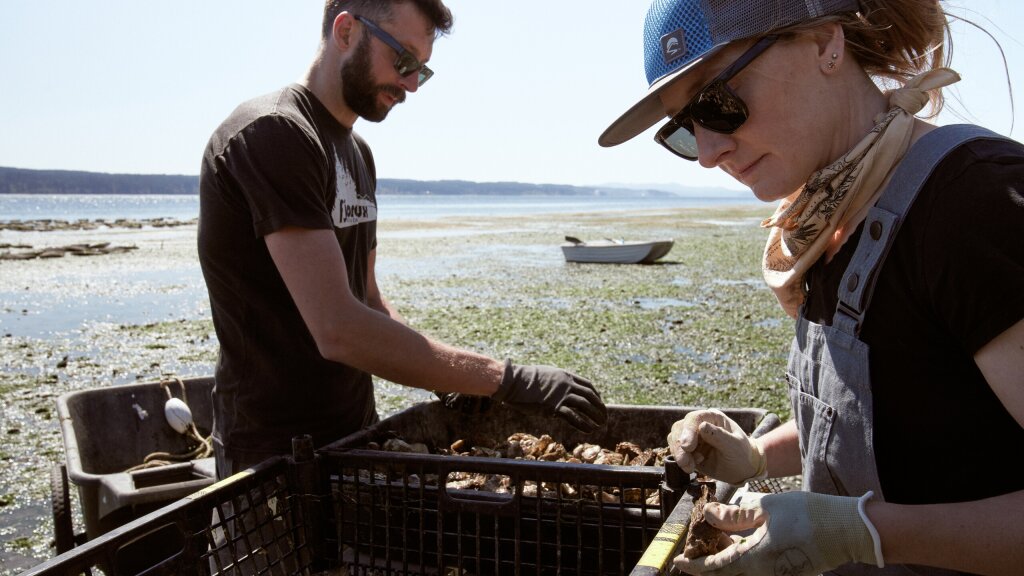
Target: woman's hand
x,y
710,443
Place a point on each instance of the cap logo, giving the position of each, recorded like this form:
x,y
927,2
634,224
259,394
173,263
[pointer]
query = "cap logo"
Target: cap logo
x,y
673,45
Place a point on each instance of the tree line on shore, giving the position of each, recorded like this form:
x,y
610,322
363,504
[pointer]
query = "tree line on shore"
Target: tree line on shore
x,y
28,181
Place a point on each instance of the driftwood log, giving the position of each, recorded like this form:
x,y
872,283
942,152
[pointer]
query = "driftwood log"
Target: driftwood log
x,y
24,252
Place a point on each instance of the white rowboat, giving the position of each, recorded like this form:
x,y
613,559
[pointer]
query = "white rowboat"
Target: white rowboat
x,y
615,251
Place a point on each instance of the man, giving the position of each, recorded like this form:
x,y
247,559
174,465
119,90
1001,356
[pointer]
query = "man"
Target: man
x,y
287,244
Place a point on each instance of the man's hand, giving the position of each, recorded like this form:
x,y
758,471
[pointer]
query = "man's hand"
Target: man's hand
x,y
711,443
552,391
796,533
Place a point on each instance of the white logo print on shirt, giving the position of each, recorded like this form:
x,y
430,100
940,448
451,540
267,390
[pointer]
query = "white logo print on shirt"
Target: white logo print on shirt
x,y
350,208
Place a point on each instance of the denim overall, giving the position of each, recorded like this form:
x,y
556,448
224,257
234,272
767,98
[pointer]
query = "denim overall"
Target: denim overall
x,y
828,375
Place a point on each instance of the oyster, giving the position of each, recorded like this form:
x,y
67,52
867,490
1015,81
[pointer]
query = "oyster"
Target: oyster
x,y
702,538
522,445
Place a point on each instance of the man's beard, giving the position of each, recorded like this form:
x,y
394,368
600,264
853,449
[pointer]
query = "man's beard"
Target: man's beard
x,y
358,88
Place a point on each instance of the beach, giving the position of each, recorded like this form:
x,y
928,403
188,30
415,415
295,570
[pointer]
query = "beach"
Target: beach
x,y
698,328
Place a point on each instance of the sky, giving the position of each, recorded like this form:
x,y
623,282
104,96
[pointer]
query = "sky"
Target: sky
x,y
521,89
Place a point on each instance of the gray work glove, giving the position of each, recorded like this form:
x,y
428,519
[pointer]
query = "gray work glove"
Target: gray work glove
x,y
710,443
796,533
553,392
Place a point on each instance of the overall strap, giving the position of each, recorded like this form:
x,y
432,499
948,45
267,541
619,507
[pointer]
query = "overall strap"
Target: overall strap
x,y
884,219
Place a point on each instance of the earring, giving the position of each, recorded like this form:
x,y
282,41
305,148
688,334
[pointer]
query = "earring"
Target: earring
x,y
832,63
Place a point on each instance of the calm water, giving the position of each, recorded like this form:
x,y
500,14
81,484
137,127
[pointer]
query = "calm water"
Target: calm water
x,y
96,207
186,207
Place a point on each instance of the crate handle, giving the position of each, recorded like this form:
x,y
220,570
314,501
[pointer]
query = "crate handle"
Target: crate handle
x,y
450,501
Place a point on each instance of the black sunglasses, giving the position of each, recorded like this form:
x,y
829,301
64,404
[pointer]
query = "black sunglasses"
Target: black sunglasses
x,y
715,107
406,63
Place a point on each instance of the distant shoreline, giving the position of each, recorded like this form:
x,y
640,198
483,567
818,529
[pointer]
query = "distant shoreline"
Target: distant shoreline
x,y
601,192
583,192
37,182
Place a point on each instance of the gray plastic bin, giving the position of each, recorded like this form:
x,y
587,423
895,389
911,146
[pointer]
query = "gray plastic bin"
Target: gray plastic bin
x,y
108,430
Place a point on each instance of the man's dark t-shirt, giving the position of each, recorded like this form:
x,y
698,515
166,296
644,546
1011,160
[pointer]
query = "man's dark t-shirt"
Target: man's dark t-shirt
x,y
953,280
281,160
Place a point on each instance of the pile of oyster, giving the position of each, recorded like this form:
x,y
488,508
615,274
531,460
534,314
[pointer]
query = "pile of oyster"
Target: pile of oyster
x,y
525,446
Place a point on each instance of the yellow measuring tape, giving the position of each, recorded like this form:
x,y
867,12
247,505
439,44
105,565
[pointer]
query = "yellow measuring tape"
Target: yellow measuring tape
x,y
664,543
221,484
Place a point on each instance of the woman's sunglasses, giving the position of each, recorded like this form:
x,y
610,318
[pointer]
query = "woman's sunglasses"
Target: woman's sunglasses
x,y
406,63
716,107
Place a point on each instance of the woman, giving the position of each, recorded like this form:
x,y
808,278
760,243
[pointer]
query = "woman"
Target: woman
x,y
897,247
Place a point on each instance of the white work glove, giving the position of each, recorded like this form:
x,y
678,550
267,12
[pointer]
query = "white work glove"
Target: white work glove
x,y
712,444
797,534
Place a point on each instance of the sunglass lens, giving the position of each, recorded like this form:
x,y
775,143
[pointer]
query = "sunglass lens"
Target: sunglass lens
x,y
681,141
719,110
425,74
406,64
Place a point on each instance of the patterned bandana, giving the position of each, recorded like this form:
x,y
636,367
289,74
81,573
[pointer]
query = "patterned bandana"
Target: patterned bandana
x,y
838,196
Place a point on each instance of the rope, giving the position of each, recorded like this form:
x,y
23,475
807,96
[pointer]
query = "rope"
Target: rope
x,y
203,449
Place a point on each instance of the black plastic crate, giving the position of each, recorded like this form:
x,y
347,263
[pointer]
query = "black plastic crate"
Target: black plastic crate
x,y
395,515
378,513
202,533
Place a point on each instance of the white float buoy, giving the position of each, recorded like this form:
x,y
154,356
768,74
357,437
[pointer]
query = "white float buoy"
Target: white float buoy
x,y
178,415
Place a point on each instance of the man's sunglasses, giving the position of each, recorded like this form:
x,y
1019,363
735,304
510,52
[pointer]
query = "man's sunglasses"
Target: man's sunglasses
x,y
406,63
716,107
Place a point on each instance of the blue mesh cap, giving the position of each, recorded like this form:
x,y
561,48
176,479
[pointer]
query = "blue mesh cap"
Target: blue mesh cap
x,y
675,33
680,34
